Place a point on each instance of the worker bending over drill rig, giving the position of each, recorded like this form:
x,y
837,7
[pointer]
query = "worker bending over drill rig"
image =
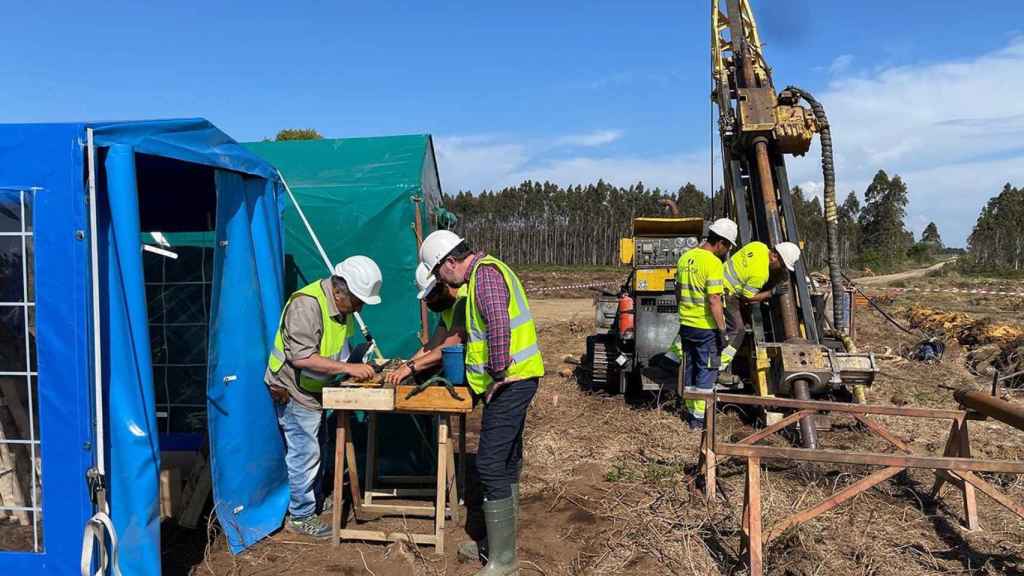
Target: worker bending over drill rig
x,y
745,274
504,366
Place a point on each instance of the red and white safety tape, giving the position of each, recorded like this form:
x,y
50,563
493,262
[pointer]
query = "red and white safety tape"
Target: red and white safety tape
x,y
944,290
571,287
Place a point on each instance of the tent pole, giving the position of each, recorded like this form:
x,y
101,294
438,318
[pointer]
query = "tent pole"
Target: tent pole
x,y
327,262
96,338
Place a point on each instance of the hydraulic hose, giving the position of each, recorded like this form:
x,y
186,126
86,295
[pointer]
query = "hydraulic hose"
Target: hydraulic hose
x,y
841,322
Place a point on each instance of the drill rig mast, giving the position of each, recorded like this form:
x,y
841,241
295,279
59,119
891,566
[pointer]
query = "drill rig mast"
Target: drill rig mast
x,y
792,353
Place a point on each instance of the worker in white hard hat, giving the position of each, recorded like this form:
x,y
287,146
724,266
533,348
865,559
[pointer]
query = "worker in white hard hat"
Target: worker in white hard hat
x,y
504,366
310,350
746,274
446,301
699,287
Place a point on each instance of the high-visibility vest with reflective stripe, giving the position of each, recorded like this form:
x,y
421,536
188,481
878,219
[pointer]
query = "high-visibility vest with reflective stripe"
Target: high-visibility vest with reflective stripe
x,y
747,271
523,349
448,315
698,274
333,340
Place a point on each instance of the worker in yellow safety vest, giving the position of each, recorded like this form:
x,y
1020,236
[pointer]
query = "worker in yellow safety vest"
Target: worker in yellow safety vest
x,y
311,349
699,287
746,274
447,301
504,366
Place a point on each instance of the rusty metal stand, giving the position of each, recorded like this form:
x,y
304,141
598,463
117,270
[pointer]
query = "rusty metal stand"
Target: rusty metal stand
x,y
955,466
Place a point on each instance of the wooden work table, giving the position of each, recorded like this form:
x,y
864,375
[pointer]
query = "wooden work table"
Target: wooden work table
x,y
433,401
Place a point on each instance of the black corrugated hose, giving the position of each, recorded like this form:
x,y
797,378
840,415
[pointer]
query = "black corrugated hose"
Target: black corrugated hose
x,y
841,322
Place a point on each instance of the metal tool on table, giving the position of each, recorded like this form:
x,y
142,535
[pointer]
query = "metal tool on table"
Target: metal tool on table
x,y
432,381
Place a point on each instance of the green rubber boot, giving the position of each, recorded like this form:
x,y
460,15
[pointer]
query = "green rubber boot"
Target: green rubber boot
x,y
500,516
477,551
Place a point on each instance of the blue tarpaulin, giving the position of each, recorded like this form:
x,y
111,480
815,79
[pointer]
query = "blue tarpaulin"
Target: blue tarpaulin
x,y
165,172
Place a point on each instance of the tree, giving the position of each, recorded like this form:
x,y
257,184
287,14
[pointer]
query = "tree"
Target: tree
x,y
997,242
692,201
931,235
298,134
884,239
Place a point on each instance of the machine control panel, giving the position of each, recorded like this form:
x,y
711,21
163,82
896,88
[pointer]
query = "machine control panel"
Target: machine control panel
x,y
661,251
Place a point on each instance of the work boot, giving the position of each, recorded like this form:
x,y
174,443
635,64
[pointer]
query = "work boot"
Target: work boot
x,y
477,551
500,516
308,526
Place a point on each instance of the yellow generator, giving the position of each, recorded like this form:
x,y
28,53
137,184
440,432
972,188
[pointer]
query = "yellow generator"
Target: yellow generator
x,y
637,325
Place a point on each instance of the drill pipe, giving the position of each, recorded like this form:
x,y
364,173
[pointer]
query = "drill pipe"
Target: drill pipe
x,y
1005,412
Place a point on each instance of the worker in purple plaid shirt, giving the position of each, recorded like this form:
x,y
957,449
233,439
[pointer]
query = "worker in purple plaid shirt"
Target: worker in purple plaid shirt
x,y
504,366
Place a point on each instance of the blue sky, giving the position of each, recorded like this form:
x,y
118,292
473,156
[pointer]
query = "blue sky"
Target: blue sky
x,y
567,91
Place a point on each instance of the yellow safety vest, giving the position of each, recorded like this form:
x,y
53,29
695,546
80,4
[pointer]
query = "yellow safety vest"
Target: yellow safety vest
x,y
448,315
333,340
747,271
698,274
523,349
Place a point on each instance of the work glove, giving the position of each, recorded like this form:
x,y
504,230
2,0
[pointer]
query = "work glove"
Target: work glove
x,y
493,389
279,395
780,289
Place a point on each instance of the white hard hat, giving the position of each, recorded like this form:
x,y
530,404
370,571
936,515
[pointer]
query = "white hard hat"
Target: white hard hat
x,y
425,281
790,253
725,228
362,276
436,246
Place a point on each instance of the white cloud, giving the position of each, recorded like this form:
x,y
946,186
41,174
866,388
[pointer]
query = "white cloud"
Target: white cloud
x,y
841,64
591,139
947,128
952,130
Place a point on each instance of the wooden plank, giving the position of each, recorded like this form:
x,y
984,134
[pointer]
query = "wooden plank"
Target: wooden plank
x,y
883,432
826,406
398,493
170,492
952,446
378,536
708,444
371,458
872,458
772,429
398,509
353,469
970,499
200,484
350,398
832,501
453,485
754,545
337,514
442,482
993,493
12,399
433,399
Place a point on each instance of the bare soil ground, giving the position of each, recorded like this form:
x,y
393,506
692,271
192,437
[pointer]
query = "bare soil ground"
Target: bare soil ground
x,y
608,488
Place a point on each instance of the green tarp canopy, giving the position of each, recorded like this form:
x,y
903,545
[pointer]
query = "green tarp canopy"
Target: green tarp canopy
x,y
361,196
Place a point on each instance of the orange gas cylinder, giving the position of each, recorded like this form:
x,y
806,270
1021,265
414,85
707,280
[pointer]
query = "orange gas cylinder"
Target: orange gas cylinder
x,y
626,317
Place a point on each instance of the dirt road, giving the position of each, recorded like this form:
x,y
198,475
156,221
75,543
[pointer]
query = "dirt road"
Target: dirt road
x,y
887,278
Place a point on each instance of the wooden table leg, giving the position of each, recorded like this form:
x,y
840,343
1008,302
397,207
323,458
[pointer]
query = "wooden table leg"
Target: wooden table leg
x,y
754,515
339,474
952,446
442,482
371,457
462,456
453,485
710,461
353,469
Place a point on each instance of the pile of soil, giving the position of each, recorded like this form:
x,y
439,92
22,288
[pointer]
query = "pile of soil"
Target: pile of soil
x,y
990,345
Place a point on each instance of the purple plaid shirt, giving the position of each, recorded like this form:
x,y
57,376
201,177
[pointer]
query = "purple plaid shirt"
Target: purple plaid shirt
x,y
492,301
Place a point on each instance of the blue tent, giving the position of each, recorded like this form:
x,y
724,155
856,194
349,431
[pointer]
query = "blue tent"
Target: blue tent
x,y
171,176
